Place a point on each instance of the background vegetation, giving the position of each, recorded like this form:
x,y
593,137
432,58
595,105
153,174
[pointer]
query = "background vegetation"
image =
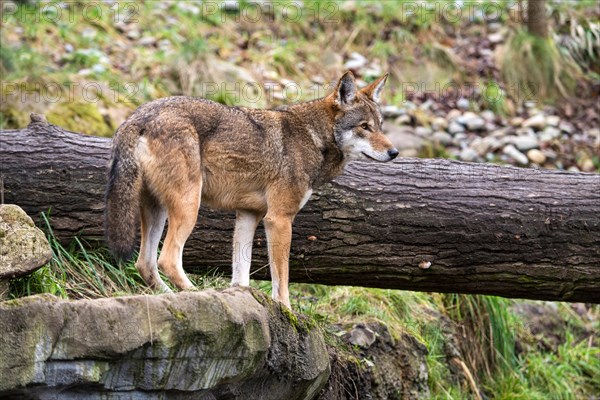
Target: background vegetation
x,y
87,68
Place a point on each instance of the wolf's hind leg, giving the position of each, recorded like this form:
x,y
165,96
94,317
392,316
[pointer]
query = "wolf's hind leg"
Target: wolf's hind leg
x,y
245,226
153,217
278,228
183,212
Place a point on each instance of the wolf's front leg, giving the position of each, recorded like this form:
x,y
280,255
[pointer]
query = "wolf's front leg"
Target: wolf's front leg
x,y
245,226
279,237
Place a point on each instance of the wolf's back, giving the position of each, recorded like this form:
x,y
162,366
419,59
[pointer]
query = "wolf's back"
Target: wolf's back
x,y
122,201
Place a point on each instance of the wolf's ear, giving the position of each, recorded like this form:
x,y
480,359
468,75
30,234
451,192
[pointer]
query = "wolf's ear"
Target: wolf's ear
x,y
345,92
373,91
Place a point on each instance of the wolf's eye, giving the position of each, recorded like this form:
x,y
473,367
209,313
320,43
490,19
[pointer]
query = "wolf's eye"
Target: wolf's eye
x,y
365,126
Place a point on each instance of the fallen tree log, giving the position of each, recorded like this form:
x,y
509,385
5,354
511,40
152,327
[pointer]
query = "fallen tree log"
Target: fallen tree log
x,y
426,225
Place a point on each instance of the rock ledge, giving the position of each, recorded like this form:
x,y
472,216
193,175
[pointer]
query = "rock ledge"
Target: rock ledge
x,y
234,343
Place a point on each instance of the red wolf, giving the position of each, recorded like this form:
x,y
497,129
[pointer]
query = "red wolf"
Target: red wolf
x,y
173,152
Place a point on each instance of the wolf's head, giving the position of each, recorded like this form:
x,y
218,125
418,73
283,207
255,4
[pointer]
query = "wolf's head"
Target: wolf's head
x,y
358,120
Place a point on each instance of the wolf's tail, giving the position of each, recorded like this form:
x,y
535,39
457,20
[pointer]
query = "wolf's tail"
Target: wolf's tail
x,y
122,201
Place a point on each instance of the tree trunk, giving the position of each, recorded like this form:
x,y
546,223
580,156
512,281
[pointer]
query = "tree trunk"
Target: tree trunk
x,y
427,225
537,22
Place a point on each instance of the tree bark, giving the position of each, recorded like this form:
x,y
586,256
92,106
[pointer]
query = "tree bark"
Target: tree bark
x,y
537,21
426,225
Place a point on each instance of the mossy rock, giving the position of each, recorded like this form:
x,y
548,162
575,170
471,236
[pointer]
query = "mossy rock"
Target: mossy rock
x,y
23,247
80,116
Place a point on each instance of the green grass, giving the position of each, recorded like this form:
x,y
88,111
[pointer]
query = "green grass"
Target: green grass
x,y
533,68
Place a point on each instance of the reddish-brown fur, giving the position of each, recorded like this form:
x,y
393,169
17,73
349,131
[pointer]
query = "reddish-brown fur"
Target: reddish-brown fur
x,y
174,152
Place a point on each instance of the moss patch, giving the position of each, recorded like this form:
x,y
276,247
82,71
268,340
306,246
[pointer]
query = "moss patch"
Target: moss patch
x,y
79,116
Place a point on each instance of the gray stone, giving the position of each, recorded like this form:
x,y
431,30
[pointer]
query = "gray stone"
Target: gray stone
x,y
496,38
536,122
454,127
553,120
565,127
207,344
362,336
515,154
525,132
404,139
472,121
453,114
488,115
442,138
475,124
133,34
463,103
356,61
423,131
502,132
549,134
524,143
392,111
468,154
231,5
23,247
147,41
495,26
460,138
402,119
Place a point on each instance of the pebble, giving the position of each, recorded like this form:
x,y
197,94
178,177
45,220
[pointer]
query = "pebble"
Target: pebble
x,y
488,115
442,137
459,138
536,156
494,26
553,120
468,154
403,119
463,103
565,127
472,121
550,154
515,154
453,114
524,143
133,34
89,33
502,132
496,38
439,124
231,5
147,41
392,111
549,134
525,132
423,131
537,122
586,164
164,44
492,142
454,128
516,121
480,146
356,61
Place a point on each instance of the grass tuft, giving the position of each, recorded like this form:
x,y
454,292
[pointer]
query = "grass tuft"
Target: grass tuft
x,y
534,69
